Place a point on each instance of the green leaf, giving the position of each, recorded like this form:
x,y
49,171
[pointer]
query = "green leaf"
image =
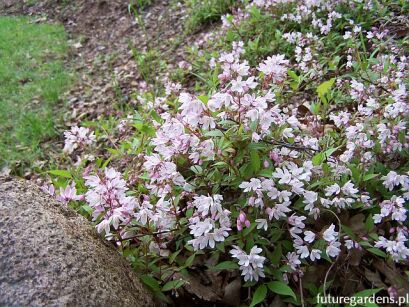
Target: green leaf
x,y
370,176
365,293
197,169
315,108
146,129
226,265
60,173
293,75
330,151
255,160
318,159
365,244
161,296
156,116
369,223
324,88
356,174
173,284
106,162
87,209
247,231
266,173
377,251
220,163
281,288
276,255
173,256
203,98
189,260
214,133
259,295
151,282
276,234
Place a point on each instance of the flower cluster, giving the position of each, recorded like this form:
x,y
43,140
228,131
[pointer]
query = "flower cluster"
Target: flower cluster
x,y
107,197
251,265
210,223
65,195
78,138
397,247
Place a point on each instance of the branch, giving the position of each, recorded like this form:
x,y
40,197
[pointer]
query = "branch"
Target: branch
x,y
149,234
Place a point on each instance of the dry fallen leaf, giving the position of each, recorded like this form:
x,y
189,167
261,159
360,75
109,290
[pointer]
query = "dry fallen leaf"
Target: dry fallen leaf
x,y
232,293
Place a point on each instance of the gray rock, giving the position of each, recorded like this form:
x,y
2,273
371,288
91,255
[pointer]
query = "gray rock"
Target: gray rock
x,y
51,256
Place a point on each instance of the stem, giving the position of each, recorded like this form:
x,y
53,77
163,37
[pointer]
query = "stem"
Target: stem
x,y
151,234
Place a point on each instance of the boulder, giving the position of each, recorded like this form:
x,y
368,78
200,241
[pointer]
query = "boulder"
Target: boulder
x,y
51,256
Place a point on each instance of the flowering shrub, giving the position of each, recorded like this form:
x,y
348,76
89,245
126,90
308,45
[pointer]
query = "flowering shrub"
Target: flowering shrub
x,y
269,173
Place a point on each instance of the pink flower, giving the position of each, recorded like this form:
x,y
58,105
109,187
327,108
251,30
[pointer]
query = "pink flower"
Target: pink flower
x,y
242,220
275,67
78,137
69,194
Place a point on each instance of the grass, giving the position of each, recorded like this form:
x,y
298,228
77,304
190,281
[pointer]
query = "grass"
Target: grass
x,y
205,12
32,79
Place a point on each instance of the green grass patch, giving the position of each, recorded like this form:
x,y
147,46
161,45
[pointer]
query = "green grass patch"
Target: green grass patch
x,y
205,12
32,79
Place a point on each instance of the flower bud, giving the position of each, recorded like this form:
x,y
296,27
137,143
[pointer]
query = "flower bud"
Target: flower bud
x,y
239,226
242,217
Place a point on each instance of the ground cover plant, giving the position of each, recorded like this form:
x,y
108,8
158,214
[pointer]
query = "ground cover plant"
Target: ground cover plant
x,y
282,174
32,78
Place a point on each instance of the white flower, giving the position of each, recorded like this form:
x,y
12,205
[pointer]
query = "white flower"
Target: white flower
x,y
332,190
310,197
348,189
283,175
288,133
330,234
315,254
309,236
349,244
68,194
210,223
303,251
278,211
104,225
206,204
253,185
333,249
396,248
293,260
275,67
262,224
251,265
357,29
297,221
392,179
347,35
78,137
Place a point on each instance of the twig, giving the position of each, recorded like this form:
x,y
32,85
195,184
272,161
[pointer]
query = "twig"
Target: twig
x,y
288,145
332,264
377,85
301,294
275,142
150,234
109,138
